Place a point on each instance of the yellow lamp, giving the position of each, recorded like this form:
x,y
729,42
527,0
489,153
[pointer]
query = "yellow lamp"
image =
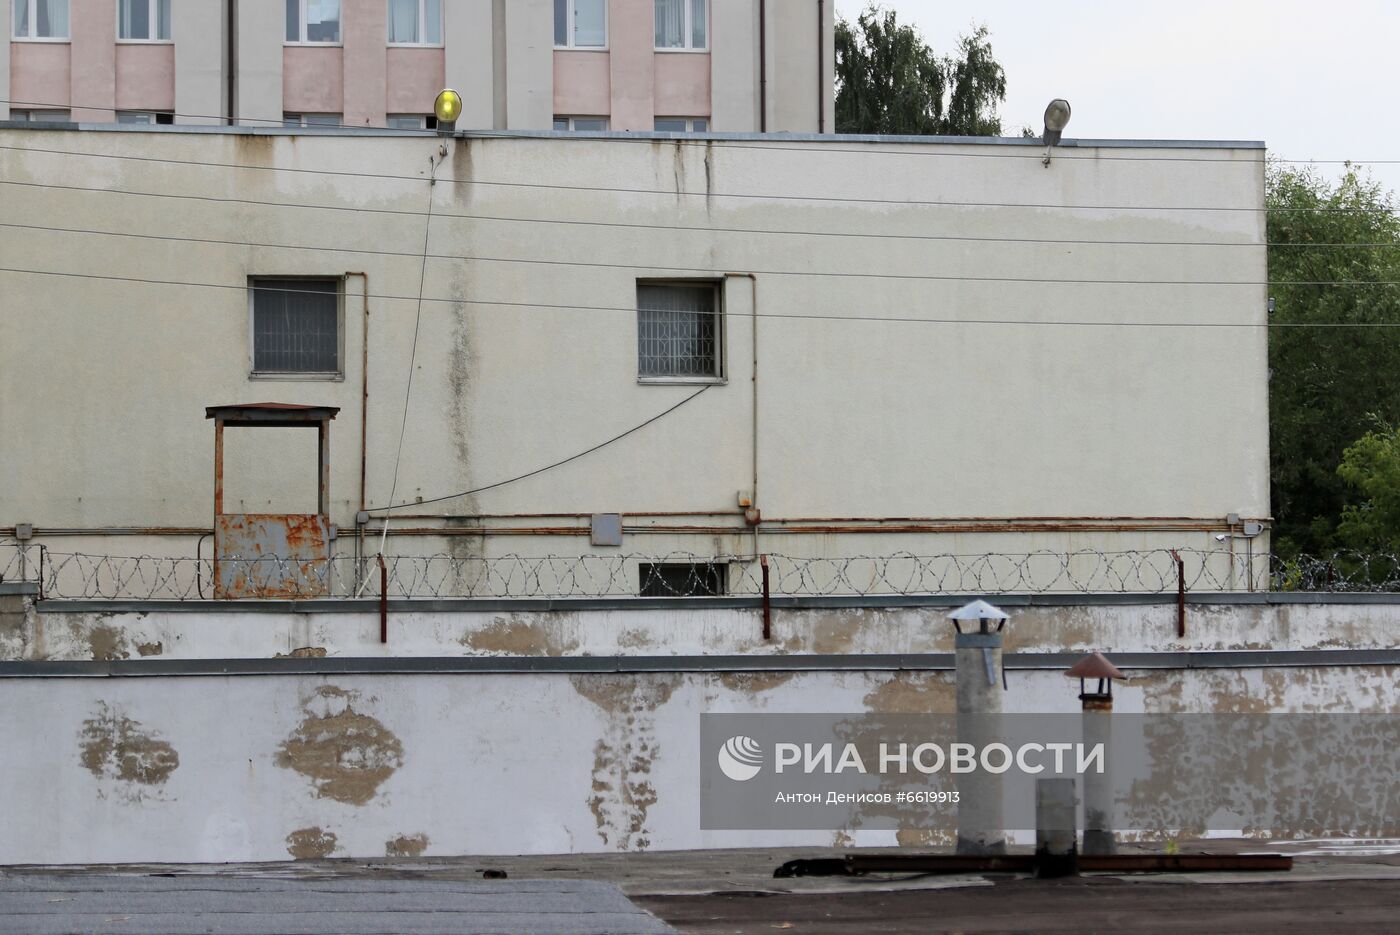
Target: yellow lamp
x,y
447,107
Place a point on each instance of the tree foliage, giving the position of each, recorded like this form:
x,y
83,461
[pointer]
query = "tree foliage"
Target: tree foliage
x,y
1372,468
889,81
1329,385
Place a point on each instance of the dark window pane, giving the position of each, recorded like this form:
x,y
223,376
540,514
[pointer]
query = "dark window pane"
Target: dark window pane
x,y
677,331
682,579
295,323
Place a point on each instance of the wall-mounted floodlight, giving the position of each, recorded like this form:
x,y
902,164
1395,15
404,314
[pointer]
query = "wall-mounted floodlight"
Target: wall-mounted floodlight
x,y
447,108
1056,119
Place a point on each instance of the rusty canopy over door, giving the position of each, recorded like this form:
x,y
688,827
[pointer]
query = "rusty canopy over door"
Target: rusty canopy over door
x,y
272,555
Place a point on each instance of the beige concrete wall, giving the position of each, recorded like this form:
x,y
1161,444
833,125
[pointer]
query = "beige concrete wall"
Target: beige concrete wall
x,y
93,29
259,81
364,30
469,60
199,28
529,41
5,43
965,416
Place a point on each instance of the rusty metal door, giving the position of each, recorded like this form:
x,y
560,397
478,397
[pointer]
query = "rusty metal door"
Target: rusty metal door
x,y
271,555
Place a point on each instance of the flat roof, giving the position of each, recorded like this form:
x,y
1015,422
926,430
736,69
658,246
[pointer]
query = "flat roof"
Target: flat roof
x,y
845,138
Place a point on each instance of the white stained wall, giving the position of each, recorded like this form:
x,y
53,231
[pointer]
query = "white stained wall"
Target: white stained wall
x,y
156,769
1065,359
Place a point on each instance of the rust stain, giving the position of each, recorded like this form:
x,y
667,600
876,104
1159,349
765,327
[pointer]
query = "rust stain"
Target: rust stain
x,y
304,652
914,693
517,635
406,845
751,683
310,843
116,747
621,793
150,649
105,644
346,755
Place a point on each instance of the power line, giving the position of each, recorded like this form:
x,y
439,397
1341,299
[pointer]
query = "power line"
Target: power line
x,y
775,315
1065,151
672,193
547,467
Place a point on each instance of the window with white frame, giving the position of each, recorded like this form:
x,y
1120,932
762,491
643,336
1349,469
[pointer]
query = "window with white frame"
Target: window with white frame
x,y
143,20
41,116
681,124
581,123
580,24
415,22
145,116
681,24
40,19
311,120
411,122
295,325
678,331
313,21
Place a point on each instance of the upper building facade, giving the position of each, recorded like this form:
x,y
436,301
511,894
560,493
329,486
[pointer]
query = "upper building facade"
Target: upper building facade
x,y
677,65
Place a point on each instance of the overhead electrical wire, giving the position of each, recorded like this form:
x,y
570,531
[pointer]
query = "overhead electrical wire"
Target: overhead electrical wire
x,y
762,315
547,467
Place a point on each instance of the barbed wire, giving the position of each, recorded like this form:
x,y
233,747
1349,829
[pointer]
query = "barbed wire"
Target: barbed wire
x,y
86,576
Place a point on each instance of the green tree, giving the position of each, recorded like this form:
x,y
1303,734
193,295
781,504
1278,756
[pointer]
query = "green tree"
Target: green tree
x,y
889,81
1372,467
1328,385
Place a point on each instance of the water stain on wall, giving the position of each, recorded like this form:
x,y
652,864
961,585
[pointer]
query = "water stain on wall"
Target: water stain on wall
x,y
150,649
622,792
310,843
406,845
347,755
116,747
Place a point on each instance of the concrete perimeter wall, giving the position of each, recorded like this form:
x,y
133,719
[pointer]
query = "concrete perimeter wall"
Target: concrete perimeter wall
x,y
142,733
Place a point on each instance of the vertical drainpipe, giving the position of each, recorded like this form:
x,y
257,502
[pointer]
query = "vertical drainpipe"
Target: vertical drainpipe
x,y
364,422
231,55
763,66
753,421
821,65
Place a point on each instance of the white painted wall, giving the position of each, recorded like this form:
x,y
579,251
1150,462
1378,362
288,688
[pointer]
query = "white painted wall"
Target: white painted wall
x,y
157,633
966,416
483,764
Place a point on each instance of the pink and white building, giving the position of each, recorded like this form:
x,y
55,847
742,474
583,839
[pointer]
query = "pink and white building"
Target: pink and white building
x,y
678,65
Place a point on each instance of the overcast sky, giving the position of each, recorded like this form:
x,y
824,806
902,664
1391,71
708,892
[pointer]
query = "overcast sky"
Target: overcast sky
x,y
1314,80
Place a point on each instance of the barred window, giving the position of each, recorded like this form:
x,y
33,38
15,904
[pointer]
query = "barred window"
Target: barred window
x,y
678,330
296,326
682,579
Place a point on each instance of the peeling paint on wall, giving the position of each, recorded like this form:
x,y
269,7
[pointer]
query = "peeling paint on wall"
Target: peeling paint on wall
x,y
114,747
310,843
622,790
105,644
914,693
346,755
406,845
519,635
150,649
